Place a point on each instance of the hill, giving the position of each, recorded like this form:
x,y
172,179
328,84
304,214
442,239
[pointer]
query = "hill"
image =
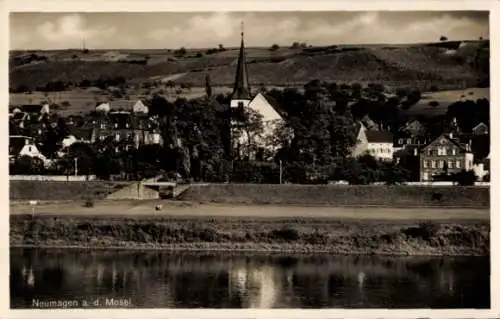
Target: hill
x,y
445,65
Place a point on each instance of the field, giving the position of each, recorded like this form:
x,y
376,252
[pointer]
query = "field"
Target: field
x,y
445,99
445,65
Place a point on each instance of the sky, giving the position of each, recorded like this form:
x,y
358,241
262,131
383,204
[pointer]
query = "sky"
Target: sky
x,y
162,30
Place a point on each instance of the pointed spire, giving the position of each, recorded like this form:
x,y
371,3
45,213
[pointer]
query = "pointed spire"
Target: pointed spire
x,y
241,83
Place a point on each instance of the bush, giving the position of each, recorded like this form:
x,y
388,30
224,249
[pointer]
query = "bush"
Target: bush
x,y
89,203
286,233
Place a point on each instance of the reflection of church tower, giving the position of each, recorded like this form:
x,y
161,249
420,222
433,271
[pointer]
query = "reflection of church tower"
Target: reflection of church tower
x,y
241,92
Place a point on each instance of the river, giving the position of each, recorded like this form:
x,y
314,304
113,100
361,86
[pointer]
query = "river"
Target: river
x,y
55,278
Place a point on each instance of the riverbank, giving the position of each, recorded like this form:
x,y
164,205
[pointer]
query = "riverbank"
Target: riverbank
x,y
224,233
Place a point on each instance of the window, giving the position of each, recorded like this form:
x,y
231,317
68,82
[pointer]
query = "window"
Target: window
x,y
457,164
116,125
117,136
453,151
30,149
116,149
433,164
401,141
426,176
450,164
445,151
442,151
101,137
441,164
103,126
126,125
408,141
426,164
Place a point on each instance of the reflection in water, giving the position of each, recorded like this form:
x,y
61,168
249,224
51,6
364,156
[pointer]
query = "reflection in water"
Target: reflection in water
x,y
192,280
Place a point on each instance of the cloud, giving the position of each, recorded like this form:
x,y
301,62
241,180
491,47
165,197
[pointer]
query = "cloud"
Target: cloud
x,y
66,31
201,30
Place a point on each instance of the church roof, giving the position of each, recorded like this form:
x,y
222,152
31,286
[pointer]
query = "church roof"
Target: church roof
x,y
241,89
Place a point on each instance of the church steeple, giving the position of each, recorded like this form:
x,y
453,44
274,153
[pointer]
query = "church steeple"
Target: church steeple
x,y
241,90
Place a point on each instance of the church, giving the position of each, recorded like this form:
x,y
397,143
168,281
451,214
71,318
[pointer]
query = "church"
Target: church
x,y
244,104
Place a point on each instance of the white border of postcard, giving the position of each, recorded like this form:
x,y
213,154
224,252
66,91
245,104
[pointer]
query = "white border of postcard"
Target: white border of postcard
x,y
247,5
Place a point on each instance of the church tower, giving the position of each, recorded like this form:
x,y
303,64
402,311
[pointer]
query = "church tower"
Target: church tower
x,y
241,96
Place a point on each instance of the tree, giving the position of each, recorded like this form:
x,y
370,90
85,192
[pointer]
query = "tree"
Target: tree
x,y
181,52
27,165
208,86
274,47
465,178
443,38
247,133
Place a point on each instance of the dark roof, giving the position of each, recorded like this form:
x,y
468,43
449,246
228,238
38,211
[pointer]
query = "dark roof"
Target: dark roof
x,y
16,144
241,88
18,116
379,137
82,133
31,108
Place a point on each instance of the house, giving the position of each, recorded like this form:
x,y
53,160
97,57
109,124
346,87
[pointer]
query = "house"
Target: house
x,y
21,115
409,158
20,145
124,128
480,129
266,106
445,155
378,144
411,134
78,135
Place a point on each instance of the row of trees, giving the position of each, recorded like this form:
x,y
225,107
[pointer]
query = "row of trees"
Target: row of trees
x,y
314,143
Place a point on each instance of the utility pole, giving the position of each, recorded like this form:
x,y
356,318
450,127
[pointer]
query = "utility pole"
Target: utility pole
x,y
76,166
281,172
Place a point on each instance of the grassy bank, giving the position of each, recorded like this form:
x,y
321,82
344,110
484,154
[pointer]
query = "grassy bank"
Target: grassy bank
x,y
340,195
299,235
54,190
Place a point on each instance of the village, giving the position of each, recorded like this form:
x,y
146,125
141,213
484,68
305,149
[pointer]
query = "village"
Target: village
x,y
256,132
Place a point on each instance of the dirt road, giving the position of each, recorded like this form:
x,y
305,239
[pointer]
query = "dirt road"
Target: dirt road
x,y
180,209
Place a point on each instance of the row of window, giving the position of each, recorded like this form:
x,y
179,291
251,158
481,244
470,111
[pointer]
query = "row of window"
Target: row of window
x,y
442,151
409,141
127,125
380,151
440,164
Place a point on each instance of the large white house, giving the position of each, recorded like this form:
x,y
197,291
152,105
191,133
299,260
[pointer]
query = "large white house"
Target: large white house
x,y
378,144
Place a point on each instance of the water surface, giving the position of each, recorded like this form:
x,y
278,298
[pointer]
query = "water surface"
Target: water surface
x,y
50,278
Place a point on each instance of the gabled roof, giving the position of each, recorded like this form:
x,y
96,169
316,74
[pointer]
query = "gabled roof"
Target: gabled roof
x,y
450,140
378,137
82,133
